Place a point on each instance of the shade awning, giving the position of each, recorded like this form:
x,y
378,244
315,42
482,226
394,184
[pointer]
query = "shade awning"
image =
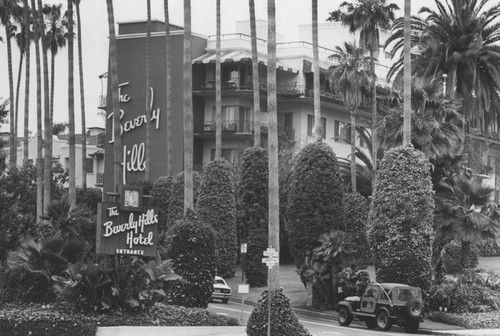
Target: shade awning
x,y
238,56
97,154
307,67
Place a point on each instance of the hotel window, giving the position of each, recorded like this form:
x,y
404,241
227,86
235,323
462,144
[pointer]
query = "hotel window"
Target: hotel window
x,y
235,118
310,125
231,155
89,166
285,121
342,131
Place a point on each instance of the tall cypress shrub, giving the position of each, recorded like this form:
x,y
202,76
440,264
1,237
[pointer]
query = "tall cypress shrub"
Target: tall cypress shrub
x,y
401,215
253,206
216,207
193,256
315,198
176,199
356,223
160,197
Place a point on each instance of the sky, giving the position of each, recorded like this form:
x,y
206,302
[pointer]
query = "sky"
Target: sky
x,y
289,15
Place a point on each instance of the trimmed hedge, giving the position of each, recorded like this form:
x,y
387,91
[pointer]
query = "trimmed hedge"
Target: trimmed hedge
x,y
401,217
489,320
176,199
284,322
216,207
356,224
46,320
253,212
315,198
193,257
161,193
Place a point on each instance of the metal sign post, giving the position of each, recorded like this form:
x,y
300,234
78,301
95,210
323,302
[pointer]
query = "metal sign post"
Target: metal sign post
x,y
272,258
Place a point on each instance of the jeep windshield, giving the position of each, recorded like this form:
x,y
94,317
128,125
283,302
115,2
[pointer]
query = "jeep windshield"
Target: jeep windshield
x,y
406,294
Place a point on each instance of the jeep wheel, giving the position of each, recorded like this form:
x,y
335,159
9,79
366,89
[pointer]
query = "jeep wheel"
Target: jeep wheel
x,y
344,317
384,322
411,327
371,323
414,309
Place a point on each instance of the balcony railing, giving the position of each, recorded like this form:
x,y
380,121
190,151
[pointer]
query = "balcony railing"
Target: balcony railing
x,y
228,126
230,85
99,179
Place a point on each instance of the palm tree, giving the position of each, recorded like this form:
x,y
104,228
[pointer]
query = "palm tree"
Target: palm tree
x,y
27,21
168,80
21,44
274,229
148,90
316,81
350,77
435,120
188,110
369,17
71,108
407,75
115,104
54,39
218,91
39,165
7,10
255,75
82,93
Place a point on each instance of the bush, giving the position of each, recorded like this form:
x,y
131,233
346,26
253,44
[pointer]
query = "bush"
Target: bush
x,y
176,200
89,197
255,270
20,286
489,320
216,207
356,223
489,248
161,192
401,214
315,198
193,256
283,319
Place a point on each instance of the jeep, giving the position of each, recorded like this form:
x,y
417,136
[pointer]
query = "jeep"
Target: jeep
x,y
383,305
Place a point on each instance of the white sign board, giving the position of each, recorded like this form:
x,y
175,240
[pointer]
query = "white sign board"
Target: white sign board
x,y
244,248
243,289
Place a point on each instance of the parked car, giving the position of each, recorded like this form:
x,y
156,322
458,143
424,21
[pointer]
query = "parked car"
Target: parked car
x,y
383,305
221,290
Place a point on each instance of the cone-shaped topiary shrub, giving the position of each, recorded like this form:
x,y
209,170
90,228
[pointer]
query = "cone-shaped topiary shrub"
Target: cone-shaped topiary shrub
x,y
283,319
255,270
193,257
176,200
315,198
401,213
253,206
216,207
356,224
161,192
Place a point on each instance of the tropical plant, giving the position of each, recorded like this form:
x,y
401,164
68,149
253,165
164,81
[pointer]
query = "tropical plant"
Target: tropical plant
x,y
216,207
401,213
218,88
368,17
464,217
351,77
71,108
255,75
27,22
316,73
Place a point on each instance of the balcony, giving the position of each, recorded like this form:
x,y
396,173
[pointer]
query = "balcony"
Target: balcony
x,y
99,179
228,126
231,85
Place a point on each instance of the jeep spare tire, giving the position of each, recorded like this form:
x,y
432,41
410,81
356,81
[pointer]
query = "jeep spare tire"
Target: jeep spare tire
x,y
414,309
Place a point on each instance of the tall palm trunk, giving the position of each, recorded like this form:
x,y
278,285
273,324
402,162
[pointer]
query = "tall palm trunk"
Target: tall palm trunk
x,y
168,76
218,90
71,108
353,150
47,170
407,75
274,228
255,76
374,123
82,95
188,109
148,91
12,108
18,87
39,158
316,74
115,103
26,90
